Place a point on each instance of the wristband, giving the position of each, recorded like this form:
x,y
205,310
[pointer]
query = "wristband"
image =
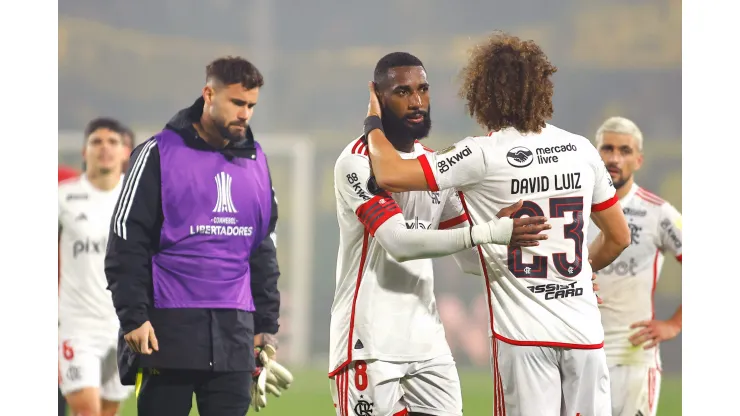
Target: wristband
x,y
372,123
498,231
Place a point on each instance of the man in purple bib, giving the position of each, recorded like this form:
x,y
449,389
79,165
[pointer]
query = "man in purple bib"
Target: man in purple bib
x,y
191,261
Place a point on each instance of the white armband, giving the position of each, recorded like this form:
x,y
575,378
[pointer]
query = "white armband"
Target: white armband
x,y
497,231
405,244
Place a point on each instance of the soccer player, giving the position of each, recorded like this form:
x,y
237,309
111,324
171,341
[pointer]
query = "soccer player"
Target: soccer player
x,y
65,172
129,139
88,327
389,354
632,334
548,356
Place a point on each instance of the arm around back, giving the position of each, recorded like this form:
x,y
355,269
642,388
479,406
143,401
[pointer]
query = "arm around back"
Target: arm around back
x,y
613,239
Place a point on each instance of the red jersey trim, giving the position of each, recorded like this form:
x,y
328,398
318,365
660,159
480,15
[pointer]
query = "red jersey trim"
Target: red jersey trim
x,y
424,147
428,174
453,221
650,197
360,272
652,296
604,205
66,175
485,273
359,148
548,343
680,258
499,406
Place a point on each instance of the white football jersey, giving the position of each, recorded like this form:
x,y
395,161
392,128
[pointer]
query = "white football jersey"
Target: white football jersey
x,y
384,309
538,295
628,284
84,221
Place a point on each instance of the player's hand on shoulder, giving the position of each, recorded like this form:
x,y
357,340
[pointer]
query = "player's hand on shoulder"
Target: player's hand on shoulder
x,y
526,230
142,339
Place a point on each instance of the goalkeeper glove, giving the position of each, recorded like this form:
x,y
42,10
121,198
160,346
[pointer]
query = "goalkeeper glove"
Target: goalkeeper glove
x,y
269,377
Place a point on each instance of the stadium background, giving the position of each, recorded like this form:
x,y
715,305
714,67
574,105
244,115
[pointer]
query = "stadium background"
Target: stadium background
x,y
140,61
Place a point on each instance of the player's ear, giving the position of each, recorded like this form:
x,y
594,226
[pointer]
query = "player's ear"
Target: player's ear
x,y
377,92
208,93
640,159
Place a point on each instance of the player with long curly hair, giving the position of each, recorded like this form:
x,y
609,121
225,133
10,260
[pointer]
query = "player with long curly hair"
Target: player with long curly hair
x,y
547,338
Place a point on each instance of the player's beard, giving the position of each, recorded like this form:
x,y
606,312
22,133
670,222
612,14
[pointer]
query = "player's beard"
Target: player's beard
x,y
402,134
223,130
621,181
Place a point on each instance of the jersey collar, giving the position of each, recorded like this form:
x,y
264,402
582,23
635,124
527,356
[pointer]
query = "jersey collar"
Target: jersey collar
x,y
631,194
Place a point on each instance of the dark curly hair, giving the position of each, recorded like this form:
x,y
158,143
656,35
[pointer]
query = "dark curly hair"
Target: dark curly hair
x,y
507,83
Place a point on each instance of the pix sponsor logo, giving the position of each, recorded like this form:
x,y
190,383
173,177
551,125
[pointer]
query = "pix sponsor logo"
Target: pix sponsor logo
x,y
88,246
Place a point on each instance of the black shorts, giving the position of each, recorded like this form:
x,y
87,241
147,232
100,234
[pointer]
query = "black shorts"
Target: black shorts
x,y
170,392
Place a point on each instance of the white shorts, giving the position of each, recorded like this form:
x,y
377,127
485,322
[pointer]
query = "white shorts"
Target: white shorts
x,y
382,388
89,360
549,381
635,390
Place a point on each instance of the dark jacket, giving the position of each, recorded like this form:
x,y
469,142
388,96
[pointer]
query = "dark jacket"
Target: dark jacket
x,y
189,338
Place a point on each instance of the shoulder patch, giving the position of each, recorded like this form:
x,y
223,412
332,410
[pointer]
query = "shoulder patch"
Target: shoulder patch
x,y
446,150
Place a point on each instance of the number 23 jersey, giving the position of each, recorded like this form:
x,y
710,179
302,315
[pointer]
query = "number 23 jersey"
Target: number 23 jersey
x,y
539,295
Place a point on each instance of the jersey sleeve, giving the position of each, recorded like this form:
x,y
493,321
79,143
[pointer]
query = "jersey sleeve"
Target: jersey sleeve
x,y
453,213
264,273
457,166
134,237
604,194
356,186
670,230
